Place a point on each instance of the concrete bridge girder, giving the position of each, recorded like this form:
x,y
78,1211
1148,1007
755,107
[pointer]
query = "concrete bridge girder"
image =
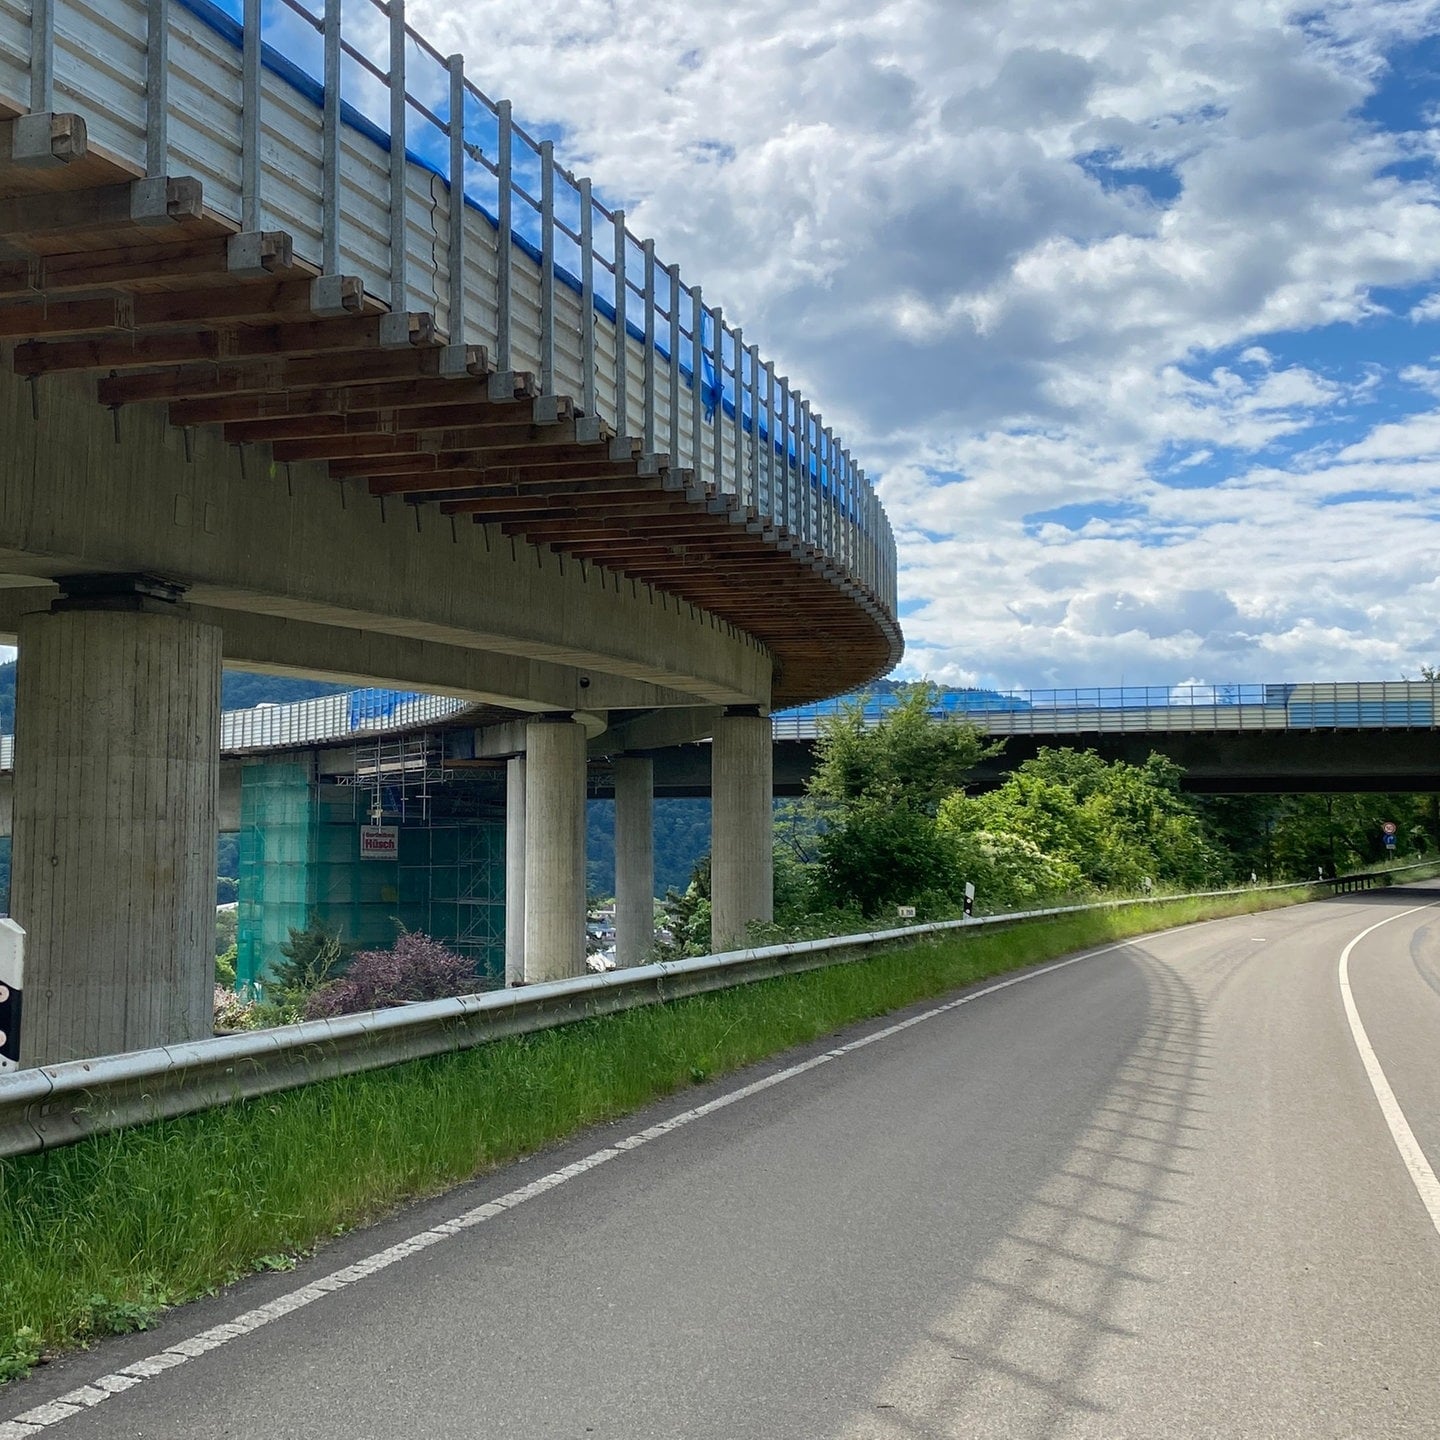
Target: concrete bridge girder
x,y
308,574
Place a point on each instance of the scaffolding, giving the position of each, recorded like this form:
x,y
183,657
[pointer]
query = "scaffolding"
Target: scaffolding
x,y
440,871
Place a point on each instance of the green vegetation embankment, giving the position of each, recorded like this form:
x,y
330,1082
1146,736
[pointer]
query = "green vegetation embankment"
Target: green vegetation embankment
x,y
100,1236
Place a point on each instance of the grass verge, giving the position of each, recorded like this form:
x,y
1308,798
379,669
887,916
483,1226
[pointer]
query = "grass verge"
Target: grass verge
x,y
101,1236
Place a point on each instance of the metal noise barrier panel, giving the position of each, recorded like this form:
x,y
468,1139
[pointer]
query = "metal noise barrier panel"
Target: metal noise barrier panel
x,y
58,1105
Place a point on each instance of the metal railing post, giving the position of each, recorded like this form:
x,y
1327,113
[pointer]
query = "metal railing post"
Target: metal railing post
x,y
504,254
755,426
330,144
456,258
740,481
398,219
157,89
42,57
674,426
718,435
250,208
648,250
547,267
697,379
784,497
622,343
587,298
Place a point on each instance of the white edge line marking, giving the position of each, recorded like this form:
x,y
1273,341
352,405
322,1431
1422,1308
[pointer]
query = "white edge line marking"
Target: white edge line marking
x,y
1400,1131
41,1417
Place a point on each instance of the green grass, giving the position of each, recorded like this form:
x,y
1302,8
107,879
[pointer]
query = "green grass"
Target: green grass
x,y
100,1236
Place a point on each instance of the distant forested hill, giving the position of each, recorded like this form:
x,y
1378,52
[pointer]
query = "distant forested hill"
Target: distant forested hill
x,y
239,690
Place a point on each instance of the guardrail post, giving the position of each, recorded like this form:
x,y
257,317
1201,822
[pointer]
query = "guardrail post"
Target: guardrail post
x,y
12,991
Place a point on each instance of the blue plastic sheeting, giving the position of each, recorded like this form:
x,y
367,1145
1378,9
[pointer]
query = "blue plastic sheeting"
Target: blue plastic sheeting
x,y
373,707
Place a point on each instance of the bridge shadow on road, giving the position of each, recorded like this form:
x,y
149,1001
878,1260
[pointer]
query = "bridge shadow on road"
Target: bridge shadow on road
x,y
1019,1351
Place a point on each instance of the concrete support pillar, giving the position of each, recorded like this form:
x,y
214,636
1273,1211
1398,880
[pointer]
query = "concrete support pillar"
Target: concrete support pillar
x,y
634,860
117,751
741,827
554,849
515,870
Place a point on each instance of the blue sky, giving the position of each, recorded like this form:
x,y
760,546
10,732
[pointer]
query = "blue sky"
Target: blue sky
x,y
1132,307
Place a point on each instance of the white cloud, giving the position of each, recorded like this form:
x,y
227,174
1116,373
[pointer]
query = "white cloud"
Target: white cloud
x,y
1000,242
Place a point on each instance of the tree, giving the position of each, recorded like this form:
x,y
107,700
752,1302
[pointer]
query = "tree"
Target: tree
x,y
875,792
908,756
687,916
1114,825
314,957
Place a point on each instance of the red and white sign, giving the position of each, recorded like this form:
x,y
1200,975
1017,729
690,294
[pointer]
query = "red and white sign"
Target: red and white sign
x,y
379,842
1389,828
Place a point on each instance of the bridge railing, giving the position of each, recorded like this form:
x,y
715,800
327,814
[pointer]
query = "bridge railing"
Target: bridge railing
x,y
345,127
1328,705
350,714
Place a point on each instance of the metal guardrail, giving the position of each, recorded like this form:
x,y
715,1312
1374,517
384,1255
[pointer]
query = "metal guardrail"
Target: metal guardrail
x,y
57,1105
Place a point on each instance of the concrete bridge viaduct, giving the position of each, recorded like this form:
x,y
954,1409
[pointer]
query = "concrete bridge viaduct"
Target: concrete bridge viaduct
x,y
348,377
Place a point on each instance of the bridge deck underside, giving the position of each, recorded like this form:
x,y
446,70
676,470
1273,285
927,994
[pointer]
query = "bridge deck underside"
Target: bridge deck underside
x,y
165,306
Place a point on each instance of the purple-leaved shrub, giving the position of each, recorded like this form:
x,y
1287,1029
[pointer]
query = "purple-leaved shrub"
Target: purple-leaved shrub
x,y
417,968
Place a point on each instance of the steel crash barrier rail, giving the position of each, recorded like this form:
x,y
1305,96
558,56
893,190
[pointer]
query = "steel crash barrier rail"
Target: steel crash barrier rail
x,y
57,1105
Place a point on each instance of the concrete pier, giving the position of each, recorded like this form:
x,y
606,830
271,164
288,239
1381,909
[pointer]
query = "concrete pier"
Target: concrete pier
x,y
515,870
634,860
117,739
554,848
741,839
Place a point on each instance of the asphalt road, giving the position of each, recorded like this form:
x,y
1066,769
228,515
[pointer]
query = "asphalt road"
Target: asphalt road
x,y
1150,1194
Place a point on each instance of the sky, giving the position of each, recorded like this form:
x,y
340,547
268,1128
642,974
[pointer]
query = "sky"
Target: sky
x,y
1131,308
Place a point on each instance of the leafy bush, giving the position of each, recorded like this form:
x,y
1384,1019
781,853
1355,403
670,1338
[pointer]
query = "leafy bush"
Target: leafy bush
x,y
225,967
418,968
234,1010
19,1353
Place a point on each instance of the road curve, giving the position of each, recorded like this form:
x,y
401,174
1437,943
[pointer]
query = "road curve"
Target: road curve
x,y
1148,1194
